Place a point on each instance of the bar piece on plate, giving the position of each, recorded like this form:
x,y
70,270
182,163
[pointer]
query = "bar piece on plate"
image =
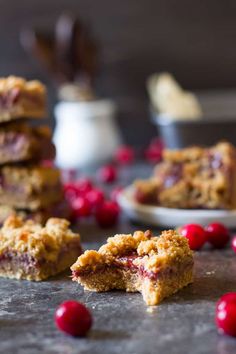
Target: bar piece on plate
x,y
33,252
155,266
21,99
31,188
20,142
192,178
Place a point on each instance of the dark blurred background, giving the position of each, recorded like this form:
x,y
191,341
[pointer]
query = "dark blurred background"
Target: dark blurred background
x,y
195,40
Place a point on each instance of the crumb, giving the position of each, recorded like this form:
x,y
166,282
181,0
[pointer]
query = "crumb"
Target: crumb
x,y
151,309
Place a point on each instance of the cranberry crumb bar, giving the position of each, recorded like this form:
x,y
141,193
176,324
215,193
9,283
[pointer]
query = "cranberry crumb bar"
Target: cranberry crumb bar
x,y
21,99
60,209
33,252
20,142
193,177
155,266
31,187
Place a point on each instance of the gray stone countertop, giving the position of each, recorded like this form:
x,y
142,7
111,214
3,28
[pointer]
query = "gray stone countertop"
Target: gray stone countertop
x,y
182,324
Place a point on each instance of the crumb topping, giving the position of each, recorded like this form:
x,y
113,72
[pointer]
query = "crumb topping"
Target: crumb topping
x,y
40,242
195,153
152,251
13,82
121,244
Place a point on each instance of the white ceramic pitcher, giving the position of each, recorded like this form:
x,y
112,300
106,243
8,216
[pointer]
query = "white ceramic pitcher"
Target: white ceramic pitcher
x,y
86,133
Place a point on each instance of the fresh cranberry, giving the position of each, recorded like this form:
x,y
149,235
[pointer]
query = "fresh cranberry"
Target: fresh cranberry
x,y
224,300
70,191
81,207
217,235
226,314
195,235
153,154
107,174
95,197
115,193
73,318
124,155
233,244
83,185
107,214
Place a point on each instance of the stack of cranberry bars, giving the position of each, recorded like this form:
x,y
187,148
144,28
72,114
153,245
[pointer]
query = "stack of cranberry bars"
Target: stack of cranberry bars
x,y
27,186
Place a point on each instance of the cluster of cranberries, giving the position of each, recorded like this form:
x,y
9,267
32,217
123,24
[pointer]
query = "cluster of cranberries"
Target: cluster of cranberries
x,y
216,234
88,200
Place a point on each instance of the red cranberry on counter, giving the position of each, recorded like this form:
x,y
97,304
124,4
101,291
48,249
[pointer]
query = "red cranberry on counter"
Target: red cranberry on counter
x,y
153,153
73,318
107,174
95,197
233,244
124,155
81,207
107,214
83,185
195,234
70,191
217,235
226,314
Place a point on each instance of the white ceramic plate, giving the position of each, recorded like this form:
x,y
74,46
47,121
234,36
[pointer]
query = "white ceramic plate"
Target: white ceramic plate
x,y
166,217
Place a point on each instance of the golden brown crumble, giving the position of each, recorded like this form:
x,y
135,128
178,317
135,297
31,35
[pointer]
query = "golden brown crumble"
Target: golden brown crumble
x,y
12,82
195,152
40,242
152,251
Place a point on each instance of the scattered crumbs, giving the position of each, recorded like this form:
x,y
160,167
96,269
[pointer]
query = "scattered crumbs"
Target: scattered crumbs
x,y
151,309
209,273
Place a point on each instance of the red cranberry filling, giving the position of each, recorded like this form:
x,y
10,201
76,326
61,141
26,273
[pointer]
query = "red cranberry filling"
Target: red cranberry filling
x,y
173,176
7,99
215,161
127,262
23,258
13,142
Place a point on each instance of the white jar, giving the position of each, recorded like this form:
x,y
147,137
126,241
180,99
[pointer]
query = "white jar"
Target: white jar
x,y
86,133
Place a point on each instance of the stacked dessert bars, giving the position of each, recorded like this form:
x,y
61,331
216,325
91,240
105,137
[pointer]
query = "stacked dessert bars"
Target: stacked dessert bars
x,y
27,186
